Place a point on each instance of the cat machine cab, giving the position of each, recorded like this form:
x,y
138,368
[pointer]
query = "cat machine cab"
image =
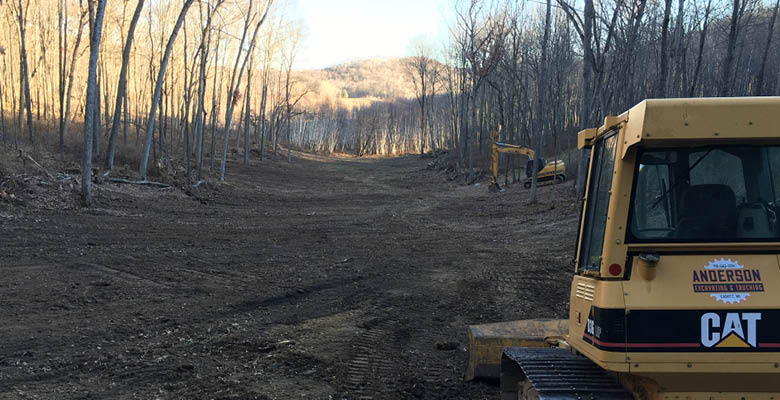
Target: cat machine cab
x,y
676,290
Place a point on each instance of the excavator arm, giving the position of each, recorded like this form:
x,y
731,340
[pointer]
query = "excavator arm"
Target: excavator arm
x,y
499,148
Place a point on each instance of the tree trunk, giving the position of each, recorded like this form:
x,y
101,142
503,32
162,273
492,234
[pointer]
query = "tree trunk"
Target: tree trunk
x,y
68,94
25,101
15,122
275,130
62,39
541,99
728,60
262,113
289,142
758,89
660,89
700,54
262,142
680,51
122,87
259,136
214,112
96,133
215,105
248,115
587,88
158,88
2,115
94,49
126,122
187,100
205,45
234,84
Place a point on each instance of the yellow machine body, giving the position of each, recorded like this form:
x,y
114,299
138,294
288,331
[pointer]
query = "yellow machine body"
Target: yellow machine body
x,y
676,292
552,172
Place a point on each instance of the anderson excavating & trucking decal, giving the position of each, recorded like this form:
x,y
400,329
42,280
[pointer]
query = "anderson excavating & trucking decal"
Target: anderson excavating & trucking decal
x,y
727,281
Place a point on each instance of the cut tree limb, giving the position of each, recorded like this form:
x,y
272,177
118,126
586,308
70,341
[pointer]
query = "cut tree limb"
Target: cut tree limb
x,y
142,182
27,156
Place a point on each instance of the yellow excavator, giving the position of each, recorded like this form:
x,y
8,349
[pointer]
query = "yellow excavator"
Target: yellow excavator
x,y
677,272
554,171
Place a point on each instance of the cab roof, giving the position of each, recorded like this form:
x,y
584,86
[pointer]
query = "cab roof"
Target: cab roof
x,y
657,122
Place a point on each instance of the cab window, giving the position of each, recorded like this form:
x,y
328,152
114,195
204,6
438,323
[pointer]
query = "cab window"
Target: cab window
x,y
706,194
597,203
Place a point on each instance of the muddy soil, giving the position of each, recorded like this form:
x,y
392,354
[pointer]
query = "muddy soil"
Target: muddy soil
x,y
327,278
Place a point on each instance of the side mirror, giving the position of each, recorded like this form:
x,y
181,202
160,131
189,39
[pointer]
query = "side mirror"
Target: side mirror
x,y
647,264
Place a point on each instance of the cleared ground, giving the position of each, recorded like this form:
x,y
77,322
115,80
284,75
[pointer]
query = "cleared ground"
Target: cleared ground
x,y
324,278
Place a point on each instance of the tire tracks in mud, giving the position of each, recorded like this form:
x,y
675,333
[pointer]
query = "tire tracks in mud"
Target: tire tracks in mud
x,y
515,282
387,358
124,276
381,361
292,296
370,360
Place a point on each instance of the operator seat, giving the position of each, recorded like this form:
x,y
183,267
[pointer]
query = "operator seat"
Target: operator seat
x,y
707,212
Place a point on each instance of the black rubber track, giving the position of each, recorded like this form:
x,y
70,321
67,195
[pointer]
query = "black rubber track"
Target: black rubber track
x,y
558,375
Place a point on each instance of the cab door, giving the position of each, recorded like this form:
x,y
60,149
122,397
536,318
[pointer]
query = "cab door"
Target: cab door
x,y
597,311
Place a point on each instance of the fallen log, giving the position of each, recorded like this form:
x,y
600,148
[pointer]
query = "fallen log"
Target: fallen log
x,y
144,182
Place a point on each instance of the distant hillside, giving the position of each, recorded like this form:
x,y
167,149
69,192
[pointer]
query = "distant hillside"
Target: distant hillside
x,y
360,82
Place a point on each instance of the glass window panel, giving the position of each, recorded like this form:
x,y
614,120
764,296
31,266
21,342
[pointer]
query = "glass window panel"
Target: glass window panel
x,y
598,204
706,194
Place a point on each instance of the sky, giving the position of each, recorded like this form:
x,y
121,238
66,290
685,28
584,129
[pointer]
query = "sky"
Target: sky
x,y
344,30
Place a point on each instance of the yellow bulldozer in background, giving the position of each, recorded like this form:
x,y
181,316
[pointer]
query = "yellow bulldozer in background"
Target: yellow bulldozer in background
x,y
676,290
552,172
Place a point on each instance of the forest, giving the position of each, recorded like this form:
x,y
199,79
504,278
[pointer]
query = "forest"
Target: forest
x,y
193,82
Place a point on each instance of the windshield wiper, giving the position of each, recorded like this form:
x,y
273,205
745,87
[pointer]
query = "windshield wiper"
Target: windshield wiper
x,y
677,179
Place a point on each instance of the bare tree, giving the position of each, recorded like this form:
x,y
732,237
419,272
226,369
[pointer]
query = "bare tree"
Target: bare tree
x,y
2,103
62,40
700,54
248,103
594,58
158,88
122,86
204,49
542,96
726,81
419,68
482,49
20,8
758,89
96,16
269,48
660,89
290,99
233,91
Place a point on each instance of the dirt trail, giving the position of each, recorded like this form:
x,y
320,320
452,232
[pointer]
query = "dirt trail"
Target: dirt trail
x,y
324,278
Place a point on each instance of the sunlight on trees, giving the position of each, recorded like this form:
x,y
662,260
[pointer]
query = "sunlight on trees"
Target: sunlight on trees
x,y
169,73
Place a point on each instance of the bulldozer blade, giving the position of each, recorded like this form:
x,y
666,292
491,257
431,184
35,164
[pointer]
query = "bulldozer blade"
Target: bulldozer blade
x,y
487,342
